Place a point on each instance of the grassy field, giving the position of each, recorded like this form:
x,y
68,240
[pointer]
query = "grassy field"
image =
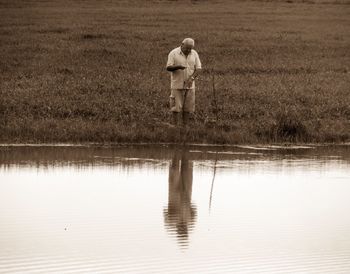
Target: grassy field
x,y
94,71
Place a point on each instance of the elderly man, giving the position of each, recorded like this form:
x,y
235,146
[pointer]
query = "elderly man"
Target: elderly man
x,y
184,65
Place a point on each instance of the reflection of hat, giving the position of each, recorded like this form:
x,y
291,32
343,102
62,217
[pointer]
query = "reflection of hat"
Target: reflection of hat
x,y
188,41
180,220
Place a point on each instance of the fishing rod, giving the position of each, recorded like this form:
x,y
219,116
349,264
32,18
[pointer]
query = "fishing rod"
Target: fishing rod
x,y
186,87
183,116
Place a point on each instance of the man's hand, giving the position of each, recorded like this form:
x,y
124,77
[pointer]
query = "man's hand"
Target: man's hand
x,y
181,67
175,67
188,83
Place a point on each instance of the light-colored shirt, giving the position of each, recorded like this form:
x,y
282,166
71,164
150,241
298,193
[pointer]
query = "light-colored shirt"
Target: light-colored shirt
x,y
191,62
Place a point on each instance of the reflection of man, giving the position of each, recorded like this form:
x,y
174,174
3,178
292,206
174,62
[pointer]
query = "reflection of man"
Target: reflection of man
x,y
180,214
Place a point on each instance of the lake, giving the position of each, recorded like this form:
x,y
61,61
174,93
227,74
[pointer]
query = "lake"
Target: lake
x,y
174,209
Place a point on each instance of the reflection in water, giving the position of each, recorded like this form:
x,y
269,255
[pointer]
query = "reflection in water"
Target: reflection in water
x,y
92,210
180,214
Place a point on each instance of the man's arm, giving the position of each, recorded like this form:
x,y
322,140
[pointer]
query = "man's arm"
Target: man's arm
x,y
198,67
175,67
170,65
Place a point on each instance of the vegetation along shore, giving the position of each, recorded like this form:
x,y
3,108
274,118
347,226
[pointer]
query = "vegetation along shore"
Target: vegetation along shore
x,y
94,71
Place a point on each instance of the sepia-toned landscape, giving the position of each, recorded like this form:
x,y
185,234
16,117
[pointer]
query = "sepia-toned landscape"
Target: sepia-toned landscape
x,y
97,176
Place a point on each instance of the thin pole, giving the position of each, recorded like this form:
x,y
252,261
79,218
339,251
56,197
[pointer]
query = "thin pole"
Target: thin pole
x,y
216,112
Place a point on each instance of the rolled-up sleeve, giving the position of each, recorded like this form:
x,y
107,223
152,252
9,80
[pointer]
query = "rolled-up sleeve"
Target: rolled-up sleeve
x,y
198,63
171,59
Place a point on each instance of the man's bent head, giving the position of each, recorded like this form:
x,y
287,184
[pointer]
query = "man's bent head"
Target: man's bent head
x,y
187,45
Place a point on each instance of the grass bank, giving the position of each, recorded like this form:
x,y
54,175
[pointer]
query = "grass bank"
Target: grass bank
x,y
94,71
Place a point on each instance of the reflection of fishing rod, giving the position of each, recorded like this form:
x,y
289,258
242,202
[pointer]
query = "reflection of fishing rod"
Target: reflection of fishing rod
x,y
213,180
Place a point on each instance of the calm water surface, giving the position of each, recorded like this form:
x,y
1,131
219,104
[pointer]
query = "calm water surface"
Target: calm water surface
x,y
147,209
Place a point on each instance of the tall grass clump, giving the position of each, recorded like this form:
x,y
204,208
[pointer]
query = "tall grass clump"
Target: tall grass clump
x,y
286,126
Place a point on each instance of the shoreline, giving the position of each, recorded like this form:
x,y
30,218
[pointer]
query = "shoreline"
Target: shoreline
x,y
248,146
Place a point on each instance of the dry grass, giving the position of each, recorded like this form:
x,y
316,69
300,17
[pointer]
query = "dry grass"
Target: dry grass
x,y
77,71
